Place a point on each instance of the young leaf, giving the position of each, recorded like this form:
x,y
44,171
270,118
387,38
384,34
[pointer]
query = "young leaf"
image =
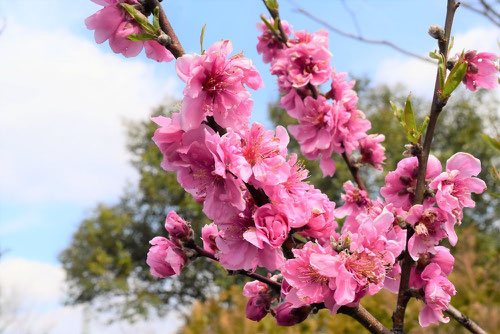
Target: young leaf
x,y
140,37
452,41
267,23
398,113
454,78
156,19
409,115
495,143
139,18
202,36
271,4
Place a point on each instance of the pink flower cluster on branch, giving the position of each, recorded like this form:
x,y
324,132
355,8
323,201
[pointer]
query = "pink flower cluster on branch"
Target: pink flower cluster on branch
x,y
264,212
113,23
326,123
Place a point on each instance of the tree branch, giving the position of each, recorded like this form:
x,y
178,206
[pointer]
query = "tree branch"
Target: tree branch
x,y
487,12
354,171
464,320
436,108
359,37
365,318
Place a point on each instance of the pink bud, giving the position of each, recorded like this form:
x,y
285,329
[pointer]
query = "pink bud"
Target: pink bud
x,y
177,227
258,307
165,258
286,315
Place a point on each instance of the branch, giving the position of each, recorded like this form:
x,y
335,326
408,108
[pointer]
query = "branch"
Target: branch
x,y
487,12
359,37
175,45
464,320
354,171
365,318
436,108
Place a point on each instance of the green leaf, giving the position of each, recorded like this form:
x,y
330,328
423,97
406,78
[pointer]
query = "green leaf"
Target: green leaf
x,y
139,18
423,126
140,37
441,67
452,41
202,36
454,78
495,143
409,115
156,19
398,113
267,23
271,4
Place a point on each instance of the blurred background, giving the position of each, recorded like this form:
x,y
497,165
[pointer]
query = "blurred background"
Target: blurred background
x,y
82,191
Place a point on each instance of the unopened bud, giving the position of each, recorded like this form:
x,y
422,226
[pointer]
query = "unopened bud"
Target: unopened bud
x,y
258,307
286,315
177,227
436,32
164,39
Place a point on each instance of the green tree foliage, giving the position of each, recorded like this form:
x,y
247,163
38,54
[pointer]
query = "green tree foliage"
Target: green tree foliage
x,y
105,262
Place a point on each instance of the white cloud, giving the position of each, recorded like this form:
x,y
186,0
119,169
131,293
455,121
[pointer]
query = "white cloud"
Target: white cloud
x,y
62,105
419,76
30,299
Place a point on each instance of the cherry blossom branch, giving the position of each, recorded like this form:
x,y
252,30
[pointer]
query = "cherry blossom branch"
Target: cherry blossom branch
x,y
437,106
174,44
274,12
360,38
365,318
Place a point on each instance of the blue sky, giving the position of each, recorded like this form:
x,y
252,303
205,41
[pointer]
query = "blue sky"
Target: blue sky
x,y
63,98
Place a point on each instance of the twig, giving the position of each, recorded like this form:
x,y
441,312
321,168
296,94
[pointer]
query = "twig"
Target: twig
x,y
360,38
398,316
365,318
489,14
354,171
464,320
174,46
353,16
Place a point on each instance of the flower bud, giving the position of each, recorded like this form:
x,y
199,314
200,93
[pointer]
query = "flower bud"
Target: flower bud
x,y
177,227
208,234
286,315
258,307
165,258
436,32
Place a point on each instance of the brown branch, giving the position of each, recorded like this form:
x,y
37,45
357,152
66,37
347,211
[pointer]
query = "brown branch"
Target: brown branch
x,y
436,108
360,38
174,45
487,12
354,171
464,320
365,318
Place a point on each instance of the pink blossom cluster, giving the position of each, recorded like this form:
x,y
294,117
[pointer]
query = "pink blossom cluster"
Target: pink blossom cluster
x,y
481,70
326,124
221,168
113,23
447,193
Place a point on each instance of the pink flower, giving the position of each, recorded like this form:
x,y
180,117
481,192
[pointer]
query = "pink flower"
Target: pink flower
x,y
177,227
165,258
271,227
269,46
454,187
203,173
310,285
209,234
266,154
316,127
428,225
307,60
168,138
356,201
342,91
400,184
442,258
287,315
114,23
481,70
371,151
320,220
438,292
236,253
215,87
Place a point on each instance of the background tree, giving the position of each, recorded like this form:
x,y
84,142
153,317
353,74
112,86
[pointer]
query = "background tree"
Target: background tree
x,y
105,262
